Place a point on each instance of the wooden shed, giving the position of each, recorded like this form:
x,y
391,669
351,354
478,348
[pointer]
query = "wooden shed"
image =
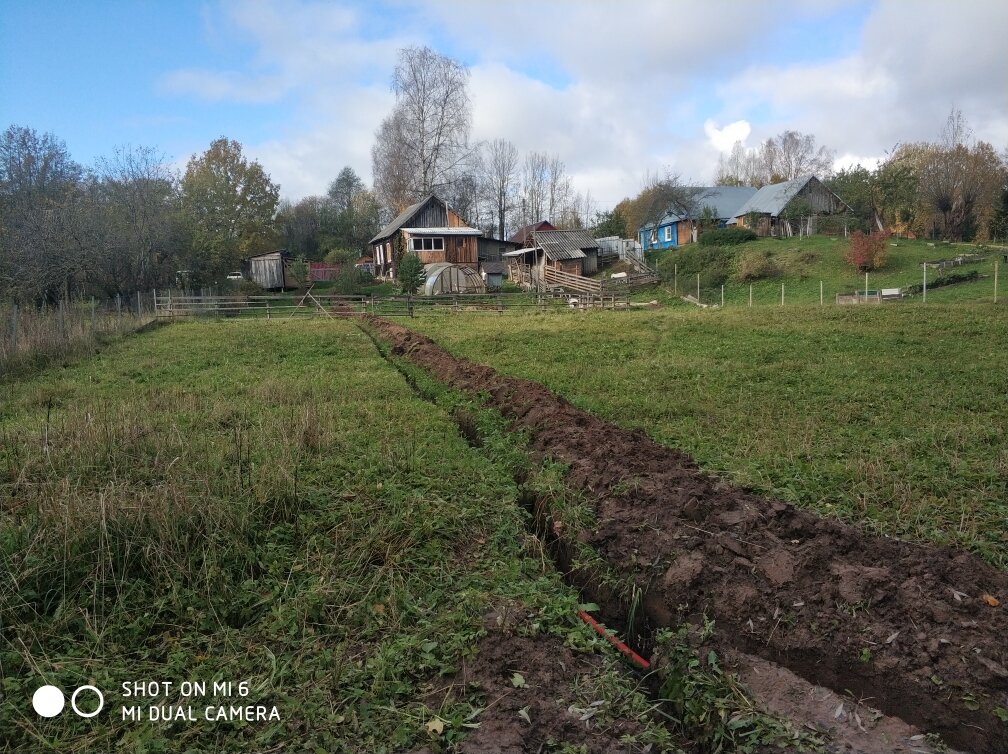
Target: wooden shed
x,y
269,270
432,230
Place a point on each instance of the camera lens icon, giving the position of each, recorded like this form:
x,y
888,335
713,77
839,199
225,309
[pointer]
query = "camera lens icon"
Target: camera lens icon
x,y
48,701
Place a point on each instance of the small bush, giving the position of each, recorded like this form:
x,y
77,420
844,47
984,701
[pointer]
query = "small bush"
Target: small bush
x,y
757,265
867,252
249,288
350,280
727,237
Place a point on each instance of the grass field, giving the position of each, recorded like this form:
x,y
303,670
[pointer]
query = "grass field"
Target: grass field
x,y
267,503
893,416
801,263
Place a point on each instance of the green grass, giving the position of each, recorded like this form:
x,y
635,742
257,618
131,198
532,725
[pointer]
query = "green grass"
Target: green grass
x,y
895,416
804,262
259,502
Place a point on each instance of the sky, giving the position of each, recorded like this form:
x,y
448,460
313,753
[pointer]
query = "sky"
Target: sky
x,y
618,89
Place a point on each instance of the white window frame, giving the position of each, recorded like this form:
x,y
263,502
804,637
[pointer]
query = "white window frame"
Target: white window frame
x,y
654,235
426,243
668,233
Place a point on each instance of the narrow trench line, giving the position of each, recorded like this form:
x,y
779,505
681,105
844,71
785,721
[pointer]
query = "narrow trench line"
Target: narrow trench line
x,y
614,611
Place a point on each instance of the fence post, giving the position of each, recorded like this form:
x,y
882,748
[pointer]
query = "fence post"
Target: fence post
x,y
722,295
409,304
171,312
675,279
698,287
119,305
782,294
995,280
155,303
14,329
62,324
138,303
268,309
866,286
820,293
92,317
925,281
750,295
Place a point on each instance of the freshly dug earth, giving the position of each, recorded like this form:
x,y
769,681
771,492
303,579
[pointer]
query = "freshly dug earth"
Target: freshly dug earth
x,y
916,631
539,709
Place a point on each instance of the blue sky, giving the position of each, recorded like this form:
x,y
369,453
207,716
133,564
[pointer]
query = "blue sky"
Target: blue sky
x,y
616,89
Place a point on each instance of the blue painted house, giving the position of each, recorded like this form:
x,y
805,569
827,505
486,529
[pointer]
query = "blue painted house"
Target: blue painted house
x,y
674,230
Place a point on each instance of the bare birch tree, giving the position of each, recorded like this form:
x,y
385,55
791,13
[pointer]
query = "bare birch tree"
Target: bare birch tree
x,y
500,167
427,134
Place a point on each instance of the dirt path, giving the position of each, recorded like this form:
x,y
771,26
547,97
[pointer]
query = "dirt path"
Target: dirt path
x,y
910,629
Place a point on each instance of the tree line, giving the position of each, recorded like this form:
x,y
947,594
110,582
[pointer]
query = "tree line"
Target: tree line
x,y
131,222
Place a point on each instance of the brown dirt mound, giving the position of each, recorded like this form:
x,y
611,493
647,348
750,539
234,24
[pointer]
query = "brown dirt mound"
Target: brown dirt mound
x,y
544,712
907,627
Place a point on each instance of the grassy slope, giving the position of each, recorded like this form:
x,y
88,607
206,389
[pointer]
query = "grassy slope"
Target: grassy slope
x,y
893,416
253,501
806,261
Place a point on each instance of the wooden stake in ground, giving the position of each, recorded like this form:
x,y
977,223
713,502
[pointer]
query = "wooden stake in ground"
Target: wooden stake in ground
x,y
675,279
698,287
722,295
925,282
995,280
866,286
750,294
782,294
820,293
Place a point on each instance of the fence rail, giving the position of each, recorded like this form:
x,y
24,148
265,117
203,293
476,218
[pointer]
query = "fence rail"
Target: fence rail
x,y
170,305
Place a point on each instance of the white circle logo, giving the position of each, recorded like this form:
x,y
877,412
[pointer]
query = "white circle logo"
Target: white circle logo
x,y
73,701
48,701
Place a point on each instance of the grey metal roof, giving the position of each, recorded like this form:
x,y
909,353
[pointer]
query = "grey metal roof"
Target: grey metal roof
x,y
463,230
400,220
494,268
724,200
773,198
564,244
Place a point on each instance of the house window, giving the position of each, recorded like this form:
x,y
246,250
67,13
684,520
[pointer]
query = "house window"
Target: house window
x,y
654,236
668,232
426,244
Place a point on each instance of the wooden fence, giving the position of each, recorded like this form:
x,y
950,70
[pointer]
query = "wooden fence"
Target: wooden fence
x,y
171,305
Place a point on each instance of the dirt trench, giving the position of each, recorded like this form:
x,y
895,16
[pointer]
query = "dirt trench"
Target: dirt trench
x,y
907,628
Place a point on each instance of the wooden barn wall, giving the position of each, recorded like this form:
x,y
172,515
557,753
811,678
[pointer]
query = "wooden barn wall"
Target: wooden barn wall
x,y
590,266
818,197
457,250
431,215
572,266
268,273
454,221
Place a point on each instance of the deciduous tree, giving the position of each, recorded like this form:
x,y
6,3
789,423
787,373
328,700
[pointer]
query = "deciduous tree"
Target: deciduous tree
x,y
427,134
230,204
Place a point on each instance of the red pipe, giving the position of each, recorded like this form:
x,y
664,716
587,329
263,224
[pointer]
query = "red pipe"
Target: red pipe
x,y
635,658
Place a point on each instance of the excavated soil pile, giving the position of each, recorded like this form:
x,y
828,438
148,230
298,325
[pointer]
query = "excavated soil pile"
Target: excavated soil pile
x,y
916,630
538,695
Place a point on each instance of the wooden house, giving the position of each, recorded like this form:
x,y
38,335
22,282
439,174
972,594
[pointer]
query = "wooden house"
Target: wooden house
x,y
432,230
767,205
676,230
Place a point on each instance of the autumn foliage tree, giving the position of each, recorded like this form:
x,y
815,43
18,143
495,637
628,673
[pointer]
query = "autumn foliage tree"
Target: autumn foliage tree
x,y
867,252
229,205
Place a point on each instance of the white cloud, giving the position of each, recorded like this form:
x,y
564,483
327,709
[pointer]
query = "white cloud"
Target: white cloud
x,y
723,139
616,89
